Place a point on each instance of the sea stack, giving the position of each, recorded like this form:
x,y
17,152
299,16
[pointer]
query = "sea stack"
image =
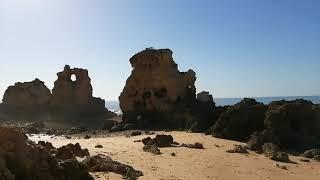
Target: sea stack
x,y
157,94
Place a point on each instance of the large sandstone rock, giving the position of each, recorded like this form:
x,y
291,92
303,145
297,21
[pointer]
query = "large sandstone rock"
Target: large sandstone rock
x,y
158,95
26,101
21,159
69,93
155,82
240,121
27,94
72,100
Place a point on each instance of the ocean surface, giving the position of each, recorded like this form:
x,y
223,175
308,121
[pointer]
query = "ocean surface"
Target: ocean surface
x,y
114,105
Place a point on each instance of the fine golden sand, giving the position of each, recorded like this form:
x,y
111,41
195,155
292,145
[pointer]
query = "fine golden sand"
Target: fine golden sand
x,y
210,163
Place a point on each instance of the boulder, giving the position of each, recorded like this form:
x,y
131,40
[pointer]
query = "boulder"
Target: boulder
x,y
238,122
159,141
71,151
312,153
152,149
294,124
21,159
101,163
193,146
238,149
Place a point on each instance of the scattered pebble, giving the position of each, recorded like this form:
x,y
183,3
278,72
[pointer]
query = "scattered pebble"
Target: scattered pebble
x,y
281,167
305,160
98,146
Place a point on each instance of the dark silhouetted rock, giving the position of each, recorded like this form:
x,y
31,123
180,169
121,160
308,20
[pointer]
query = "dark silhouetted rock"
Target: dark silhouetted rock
x,y
108,124
146,140
238,149
152,149
99,146
100,163
240,121
136,133
87,137
193,146
159,141
27,94
21,159
71,151
294,124
311,153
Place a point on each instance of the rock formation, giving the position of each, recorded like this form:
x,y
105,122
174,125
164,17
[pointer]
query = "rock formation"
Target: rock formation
x,y
26,101
70,102
292,125
240,121
67,93
157,94
27,94
21,159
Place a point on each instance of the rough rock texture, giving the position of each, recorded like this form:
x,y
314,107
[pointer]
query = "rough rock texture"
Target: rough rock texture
x,y
193,146
70,101
71,151
101,163
159,141
26,101
158,95
238,149
152,149
240,120
21,159
27,94
292,125
67,93
312,153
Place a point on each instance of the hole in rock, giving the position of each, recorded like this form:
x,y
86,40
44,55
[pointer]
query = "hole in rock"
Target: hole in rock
x,y
73,77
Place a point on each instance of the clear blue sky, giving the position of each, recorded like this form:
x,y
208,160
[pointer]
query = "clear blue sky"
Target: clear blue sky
x,y
237,47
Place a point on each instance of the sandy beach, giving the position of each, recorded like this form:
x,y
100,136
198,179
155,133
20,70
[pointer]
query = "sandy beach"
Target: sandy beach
x,y
210,163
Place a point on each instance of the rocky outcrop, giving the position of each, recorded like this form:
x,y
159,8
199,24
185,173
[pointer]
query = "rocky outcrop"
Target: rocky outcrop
x,y
100,163
21,159
158,95
26,101
240,121
27,94
71,101
289,125
67,93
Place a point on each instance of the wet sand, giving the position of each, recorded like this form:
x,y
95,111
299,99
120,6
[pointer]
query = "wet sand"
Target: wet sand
x,y
210,163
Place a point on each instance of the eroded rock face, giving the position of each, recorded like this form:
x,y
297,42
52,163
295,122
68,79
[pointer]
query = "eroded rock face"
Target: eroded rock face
x,y
21,159
158,95
67,92
289,125
155,79
27,94
240,120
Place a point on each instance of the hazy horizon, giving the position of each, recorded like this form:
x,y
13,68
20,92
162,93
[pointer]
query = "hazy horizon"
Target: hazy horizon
x,y
237,48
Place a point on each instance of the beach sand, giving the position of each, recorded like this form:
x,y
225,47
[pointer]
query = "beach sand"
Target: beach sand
x,y
195,164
